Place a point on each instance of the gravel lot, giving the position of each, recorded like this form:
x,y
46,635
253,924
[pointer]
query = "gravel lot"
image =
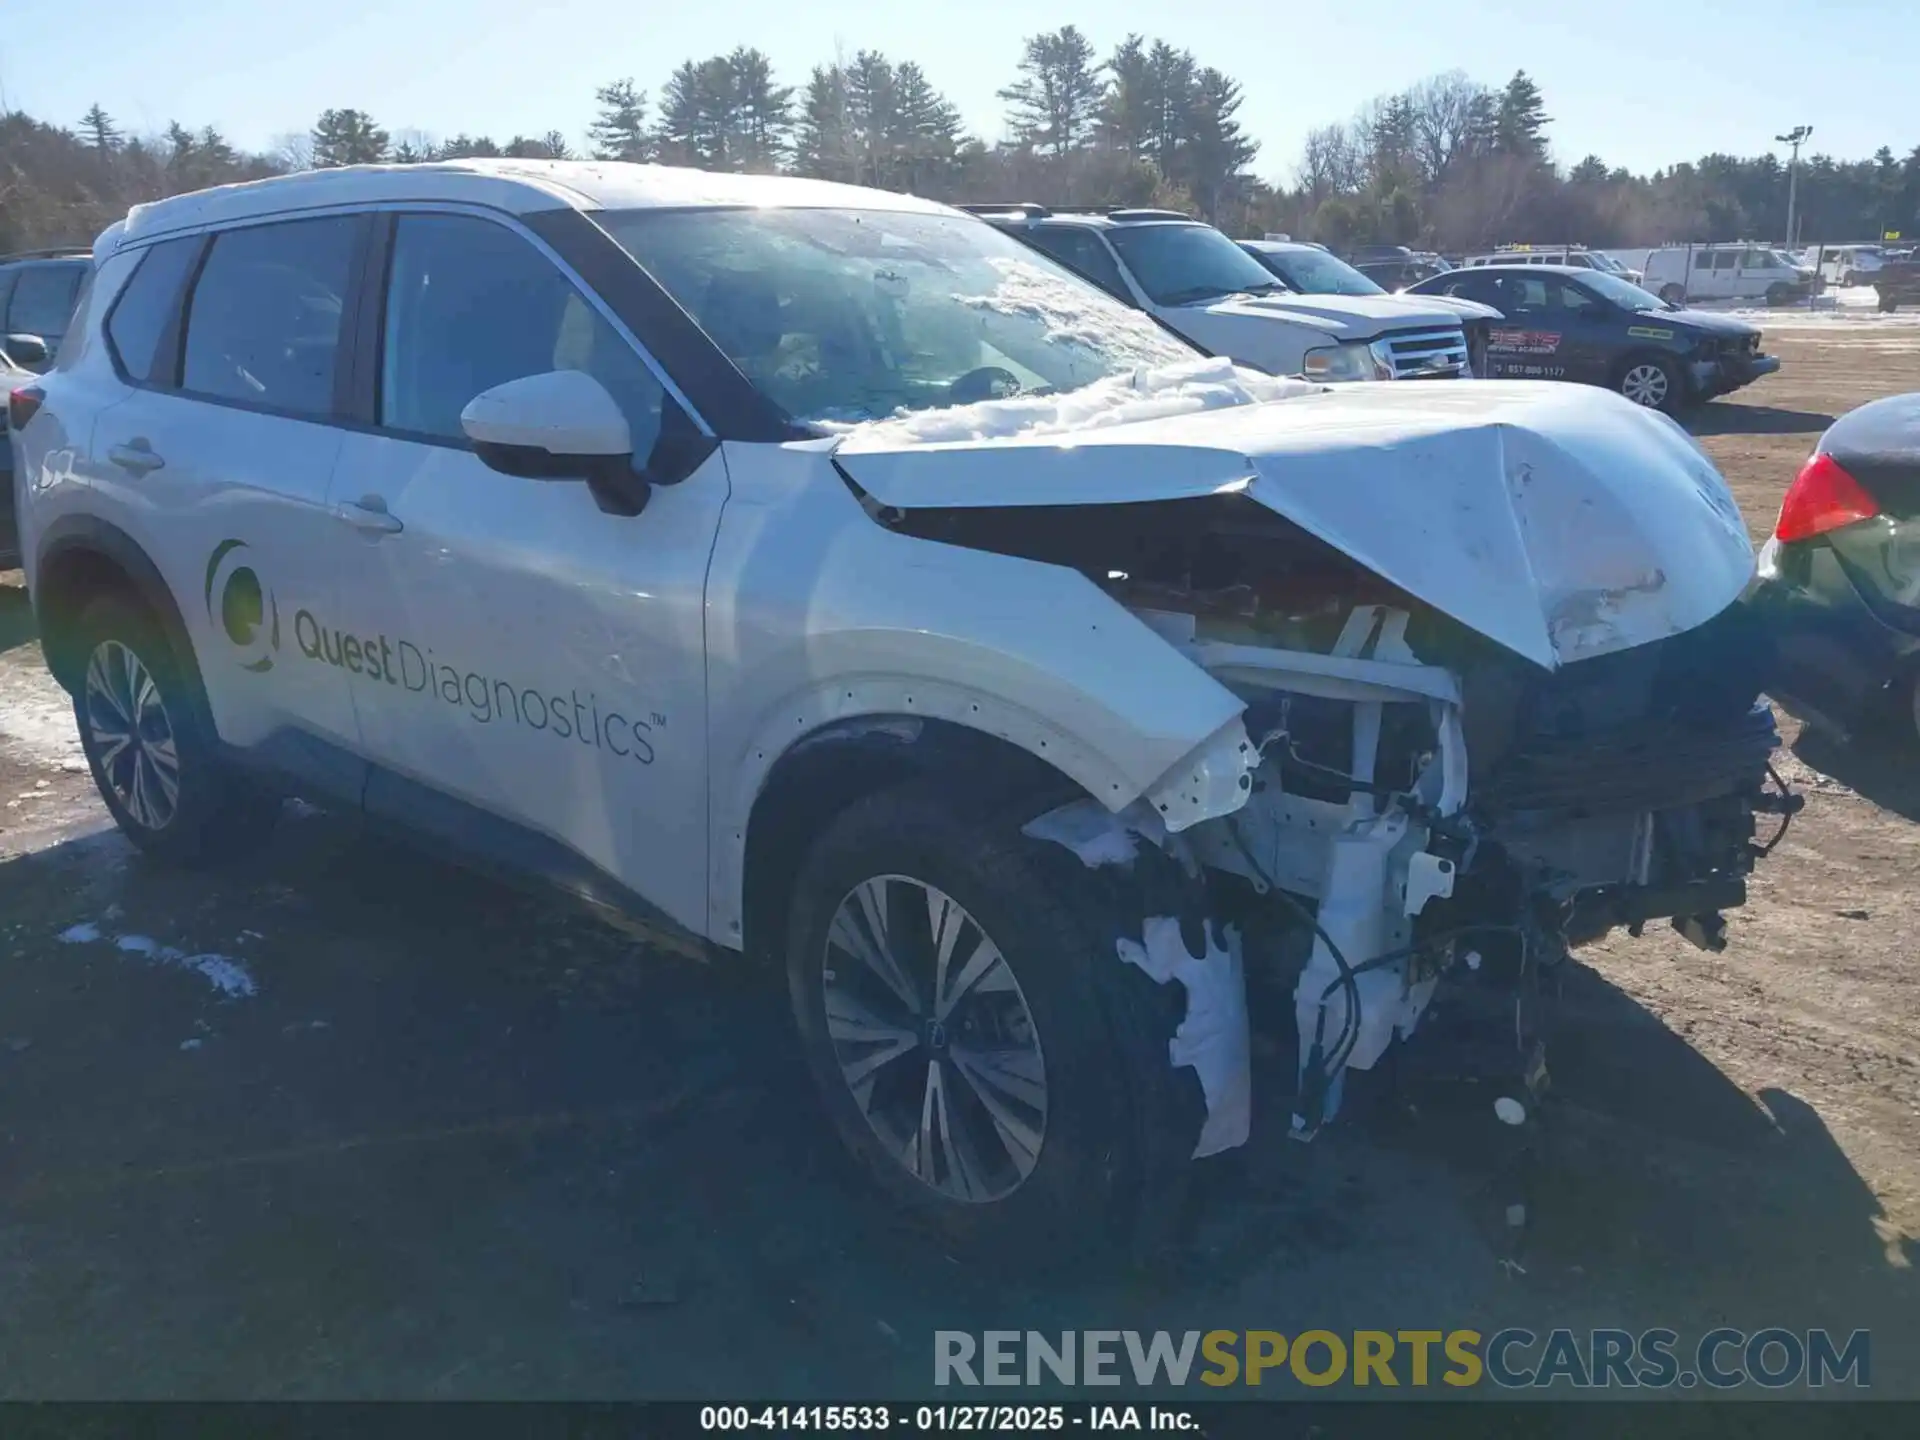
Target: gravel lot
x,y
346,1122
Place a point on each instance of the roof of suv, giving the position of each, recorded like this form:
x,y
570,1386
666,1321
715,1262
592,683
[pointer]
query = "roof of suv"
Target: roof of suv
x,y
1127,216
516,186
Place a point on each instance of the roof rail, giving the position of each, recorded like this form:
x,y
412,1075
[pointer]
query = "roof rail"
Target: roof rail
x,y
52,252
1139,212
1018,207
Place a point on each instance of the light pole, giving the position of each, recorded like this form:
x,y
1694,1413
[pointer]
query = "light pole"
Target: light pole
x,y
1795,137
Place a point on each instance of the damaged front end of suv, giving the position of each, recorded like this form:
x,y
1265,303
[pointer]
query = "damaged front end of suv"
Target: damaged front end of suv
x,y
1498,696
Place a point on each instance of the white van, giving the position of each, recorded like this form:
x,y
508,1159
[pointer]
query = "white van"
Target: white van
x,y
1850,264
1739,271
1577,256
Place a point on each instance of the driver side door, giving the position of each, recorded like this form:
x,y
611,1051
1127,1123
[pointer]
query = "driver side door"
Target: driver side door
x,y
528,669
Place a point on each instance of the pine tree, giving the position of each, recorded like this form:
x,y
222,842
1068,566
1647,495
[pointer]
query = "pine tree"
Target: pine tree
x,y
620,130
1521,121
1216,150
100,131
926,132
1170,75
347,137
759,115
873,109
1126,116
1053,103
823,144
468,147
696,110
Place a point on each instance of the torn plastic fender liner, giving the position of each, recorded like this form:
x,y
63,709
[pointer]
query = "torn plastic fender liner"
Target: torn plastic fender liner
x,y
1215,1037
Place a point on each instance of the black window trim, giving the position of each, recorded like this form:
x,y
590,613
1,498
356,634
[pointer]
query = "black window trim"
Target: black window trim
x,y
173,341
164,363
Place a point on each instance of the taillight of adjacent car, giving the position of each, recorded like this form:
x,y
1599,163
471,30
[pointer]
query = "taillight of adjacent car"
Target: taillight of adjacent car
x,y
23,404
1823,497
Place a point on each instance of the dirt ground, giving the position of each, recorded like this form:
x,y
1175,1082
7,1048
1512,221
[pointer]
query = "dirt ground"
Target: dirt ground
x,y
345,1122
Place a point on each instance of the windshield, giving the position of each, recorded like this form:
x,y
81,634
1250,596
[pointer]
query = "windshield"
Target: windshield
x,y
1607,263
1624,293
850,315
1314,272
1180,264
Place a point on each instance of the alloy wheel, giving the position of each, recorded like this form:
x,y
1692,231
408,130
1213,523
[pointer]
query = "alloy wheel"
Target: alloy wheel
x,y
132,736
1646,385
934,1039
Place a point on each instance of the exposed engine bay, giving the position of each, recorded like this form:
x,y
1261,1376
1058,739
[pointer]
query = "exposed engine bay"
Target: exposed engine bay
x,y
1423,806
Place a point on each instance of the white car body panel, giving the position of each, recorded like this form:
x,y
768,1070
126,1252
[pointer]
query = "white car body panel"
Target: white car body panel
x,y
816,614
1270,339
1560,521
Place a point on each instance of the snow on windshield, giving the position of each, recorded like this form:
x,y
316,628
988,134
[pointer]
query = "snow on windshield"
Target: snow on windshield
x,y
1149,393
851,315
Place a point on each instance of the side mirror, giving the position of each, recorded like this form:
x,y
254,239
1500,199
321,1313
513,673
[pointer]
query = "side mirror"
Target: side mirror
x,y
559,425
29,352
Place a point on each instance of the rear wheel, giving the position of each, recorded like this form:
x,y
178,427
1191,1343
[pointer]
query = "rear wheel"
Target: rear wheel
x,y
979,1045
1779,294
1651,381
149,742
1888,304
1672,294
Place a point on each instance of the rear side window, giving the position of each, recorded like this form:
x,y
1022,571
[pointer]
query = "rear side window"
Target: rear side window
x,y
140,316
471,305
264,323
42,301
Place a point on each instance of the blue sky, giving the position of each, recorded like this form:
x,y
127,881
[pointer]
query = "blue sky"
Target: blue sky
x,y
1641,82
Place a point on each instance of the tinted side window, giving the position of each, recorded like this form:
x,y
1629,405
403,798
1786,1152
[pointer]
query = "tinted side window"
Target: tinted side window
x,y
1082,252
1725,259
43,300
471,305
141,313
264,322
1703,259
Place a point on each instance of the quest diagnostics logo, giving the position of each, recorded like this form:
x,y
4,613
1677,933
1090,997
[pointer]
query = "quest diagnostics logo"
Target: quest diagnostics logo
x,y
244,610
241,608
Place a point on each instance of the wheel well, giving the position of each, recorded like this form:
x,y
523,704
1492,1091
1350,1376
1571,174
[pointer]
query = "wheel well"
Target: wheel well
x,y
848,760
72,576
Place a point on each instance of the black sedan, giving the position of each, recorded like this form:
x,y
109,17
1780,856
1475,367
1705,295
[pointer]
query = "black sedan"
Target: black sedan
x,y
1588,326
1839,582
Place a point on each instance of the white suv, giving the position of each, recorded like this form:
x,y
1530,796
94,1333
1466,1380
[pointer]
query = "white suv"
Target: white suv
x,y
819,574
1202,285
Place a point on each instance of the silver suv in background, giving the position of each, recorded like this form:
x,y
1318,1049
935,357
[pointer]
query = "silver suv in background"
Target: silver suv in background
x,y
1200,284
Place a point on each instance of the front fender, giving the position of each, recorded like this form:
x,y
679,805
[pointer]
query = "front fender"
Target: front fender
x,y
817,615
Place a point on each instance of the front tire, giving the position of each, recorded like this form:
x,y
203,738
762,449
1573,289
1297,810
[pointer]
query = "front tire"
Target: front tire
x,y
1778,295
149,741
981,1048
1653,382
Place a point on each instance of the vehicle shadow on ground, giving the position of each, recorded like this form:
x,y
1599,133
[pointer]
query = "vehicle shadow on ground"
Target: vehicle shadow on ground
x,y
16,617
1879,769
464,1143
1722,418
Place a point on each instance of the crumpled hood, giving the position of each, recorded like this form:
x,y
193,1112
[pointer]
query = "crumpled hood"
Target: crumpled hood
x,y
1560,521
1357,317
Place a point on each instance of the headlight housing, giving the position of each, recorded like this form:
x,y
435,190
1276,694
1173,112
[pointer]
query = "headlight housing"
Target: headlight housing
x,y
1354,360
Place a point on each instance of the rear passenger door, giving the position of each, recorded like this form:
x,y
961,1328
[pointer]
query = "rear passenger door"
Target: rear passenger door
x,y
529,670
218,461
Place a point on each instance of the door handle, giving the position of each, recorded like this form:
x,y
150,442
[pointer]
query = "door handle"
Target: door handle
x,y
369,514
136,457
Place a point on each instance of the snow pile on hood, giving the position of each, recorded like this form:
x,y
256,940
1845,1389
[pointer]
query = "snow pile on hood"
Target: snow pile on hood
x,y
1149,393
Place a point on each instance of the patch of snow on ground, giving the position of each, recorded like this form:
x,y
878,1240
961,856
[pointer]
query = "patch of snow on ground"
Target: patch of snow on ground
x,y
1144,394
36,718
225,974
